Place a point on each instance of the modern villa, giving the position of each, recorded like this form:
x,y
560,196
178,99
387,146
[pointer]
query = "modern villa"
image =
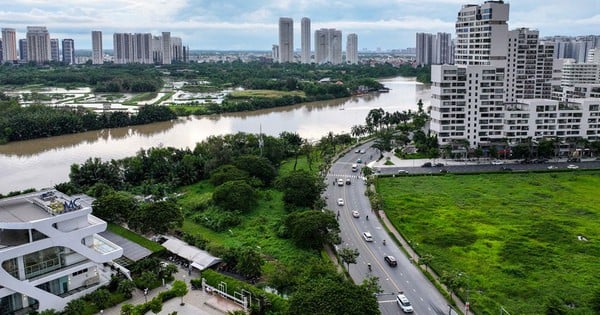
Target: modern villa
x,y
50,251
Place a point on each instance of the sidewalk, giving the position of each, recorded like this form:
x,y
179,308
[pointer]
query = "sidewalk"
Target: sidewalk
x,y
197,302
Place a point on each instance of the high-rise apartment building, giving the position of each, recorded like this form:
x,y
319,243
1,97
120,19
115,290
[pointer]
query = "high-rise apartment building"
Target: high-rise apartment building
x,y
54,50
442,49
122,48
275,52
97,51
38,44
328,46
9,45
424,48
167,55
23,50
51,251
68,51
177,49
468,97
352,49
1,51
497,92
286,39
142,48
305,40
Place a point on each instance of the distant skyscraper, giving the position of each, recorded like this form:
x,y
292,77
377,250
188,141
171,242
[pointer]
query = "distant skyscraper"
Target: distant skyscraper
x,y
275,52
54,50
9,44
23,50
38,44
305,40
97,52
166,48
122,48
442,48
286,40
68,51
352,49
142,48
177,49
424,48
328,46
1,51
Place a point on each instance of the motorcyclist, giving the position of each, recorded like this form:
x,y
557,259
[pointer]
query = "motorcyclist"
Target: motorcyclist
x,y
383,242
369,265
367,218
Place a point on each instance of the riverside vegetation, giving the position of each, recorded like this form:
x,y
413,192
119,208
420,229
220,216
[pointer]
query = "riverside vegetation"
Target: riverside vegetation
x,y
524,241
259,210
267,85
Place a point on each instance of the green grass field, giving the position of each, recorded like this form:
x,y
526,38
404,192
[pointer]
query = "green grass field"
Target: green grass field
x,y
263,94
134,237
258,227
514,237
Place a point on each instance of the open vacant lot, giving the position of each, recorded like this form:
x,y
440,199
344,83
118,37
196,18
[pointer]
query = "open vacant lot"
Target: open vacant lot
x,y
523,241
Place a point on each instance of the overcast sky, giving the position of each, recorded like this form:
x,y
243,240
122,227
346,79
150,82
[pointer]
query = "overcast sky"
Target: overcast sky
x,y
252,24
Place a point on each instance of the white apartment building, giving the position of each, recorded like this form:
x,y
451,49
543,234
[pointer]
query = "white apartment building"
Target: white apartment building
x,y
286,39
97,51
50,251
38,44
167,53
500,85
352,49
9,44
305,40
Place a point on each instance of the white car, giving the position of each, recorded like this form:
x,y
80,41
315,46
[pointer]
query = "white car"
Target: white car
x,y
367,236
402,172
572,167
355,214
404,303
340,202
551,167
497,162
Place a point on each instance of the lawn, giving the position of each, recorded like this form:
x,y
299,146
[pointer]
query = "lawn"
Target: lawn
x,y
264,94
134,237
514,237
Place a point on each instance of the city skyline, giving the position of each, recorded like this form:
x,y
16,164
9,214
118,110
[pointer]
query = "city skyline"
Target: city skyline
x,y
241,25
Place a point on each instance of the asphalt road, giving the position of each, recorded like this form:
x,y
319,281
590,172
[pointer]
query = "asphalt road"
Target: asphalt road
x,y
405,277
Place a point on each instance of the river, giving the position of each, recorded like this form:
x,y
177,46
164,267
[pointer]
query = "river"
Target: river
x,y
45,162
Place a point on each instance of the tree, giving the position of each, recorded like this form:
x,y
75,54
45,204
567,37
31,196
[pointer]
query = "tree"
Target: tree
x,y
371,284
179,289
258,167
227,173
328,296
146,218
349,256
235,195
50,311
249,262
425,260
125,287
115,207
155,304
311,228
75,307
292,142
101,298
301,189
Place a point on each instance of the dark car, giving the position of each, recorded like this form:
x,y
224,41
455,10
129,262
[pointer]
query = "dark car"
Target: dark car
x,y
439,165
348,182
574,160
391,260
428,164
506,169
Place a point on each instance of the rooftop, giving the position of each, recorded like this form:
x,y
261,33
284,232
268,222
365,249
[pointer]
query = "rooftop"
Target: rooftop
x,y
38,205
